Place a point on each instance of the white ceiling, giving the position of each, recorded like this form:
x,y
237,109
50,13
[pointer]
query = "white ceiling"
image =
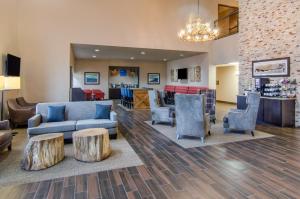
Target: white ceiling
x,y
84,51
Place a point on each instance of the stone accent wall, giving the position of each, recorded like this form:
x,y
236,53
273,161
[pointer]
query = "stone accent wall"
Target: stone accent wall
x,y
269,29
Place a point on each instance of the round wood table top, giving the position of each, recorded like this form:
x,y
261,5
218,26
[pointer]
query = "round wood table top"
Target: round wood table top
x,y
90,132
49,136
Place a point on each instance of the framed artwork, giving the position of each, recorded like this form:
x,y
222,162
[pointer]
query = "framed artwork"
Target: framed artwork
x,y
191,72
197,73
271,68
153,78
174,75
91,78
123,72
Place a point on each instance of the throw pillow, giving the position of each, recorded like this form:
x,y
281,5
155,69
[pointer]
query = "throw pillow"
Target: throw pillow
x,y
56,113
102,111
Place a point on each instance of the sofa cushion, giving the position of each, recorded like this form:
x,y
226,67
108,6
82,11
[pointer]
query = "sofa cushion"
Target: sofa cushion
x,y
102,111
53,127
74,110
56,113
95,123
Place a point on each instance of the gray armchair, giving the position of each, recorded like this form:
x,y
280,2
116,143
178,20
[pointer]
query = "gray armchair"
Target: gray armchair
x,y
163,103
191,119
243,120
159,113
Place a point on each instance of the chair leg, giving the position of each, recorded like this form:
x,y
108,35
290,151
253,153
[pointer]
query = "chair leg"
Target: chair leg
x,y
178,137
9,147
209,133
202,140
153,122
252,133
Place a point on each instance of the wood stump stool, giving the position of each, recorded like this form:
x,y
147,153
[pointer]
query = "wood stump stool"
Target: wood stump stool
x,y
91,145
43,151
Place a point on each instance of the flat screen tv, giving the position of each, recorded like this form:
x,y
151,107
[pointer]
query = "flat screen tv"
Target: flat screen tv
x,y
12,65
182,73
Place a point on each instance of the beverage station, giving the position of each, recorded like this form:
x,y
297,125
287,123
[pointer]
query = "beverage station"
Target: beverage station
x,y
277,104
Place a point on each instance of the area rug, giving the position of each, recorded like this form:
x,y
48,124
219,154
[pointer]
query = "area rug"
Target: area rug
x,y
217,136
11,173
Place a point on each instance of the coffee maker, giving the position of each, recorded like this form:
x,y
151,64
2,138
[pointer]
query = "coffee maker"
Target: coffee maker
x,y
260,84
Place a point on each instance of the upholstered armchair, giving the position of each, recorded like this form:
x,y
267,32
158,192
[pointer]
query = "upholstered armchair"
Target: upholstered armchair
x,y
19,115
159,113
5,135
22,102
243,120
162,98
191,119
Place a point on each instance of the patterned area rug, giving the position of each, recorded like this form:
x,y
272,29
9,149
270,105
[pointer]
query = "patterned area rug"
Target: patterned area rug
x,y
11,173
217,136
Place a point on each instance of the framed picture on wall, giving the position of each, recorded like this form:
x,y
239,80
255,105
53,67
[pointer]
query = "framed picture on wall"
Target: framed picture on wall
x,y
271,67
91,78
153,78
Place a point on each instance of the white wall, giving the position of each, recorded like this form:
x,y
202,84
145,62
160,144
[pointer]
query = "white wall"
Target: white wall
x,y
199,60
102,66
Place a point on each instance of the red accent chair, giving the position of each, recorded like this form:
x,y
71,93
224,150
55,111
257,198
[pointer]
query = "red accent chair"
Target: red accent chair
x,y
98,94
181,89
169,88
88,94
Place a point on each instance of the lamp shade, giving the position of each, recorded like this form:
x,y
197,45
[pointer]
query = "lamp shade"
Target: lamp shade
x,y
12,83
1,82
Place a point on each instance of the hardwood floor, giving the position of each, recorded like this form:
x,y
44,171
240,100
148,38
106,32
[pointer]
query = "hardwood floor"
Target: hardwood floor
x,y
263,168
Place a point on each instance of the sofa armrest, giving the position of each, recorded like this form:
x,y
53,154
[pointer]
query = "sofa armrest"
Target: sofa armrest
x,y
34,121
113,116
4,125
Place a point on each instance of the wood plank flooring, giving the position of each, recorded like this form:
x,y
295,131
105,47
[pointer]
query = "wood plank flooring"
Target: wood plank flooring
x,y
263,168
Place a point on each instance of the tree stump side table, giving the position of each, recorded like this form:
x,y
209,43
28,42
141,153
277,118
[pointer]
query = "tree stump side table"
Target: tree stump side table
x,y
43,151
91,145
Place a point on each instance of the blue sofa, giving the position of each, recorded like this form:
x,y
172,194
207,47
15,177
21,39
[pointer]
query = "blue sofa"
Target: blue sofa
x,y
78,116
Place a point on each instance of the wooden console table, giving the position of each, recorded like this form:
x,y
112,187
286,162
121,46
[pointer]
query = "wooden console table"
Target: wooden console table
x,y
273,110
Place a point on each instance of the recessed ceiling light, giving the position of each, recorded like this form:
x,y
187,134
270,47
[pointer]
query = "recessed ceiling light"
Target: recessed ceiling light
x,y
165,59
143,53
132,58
97,50
181,55
94,56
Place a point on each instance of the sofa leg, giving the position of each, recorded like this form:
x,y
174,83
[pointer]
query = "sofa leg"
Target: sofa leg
x,y
153,122
252,133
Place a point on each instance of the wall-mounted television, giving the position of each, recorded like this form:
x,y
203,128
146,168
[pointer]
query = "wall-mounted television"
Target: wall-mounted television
x,y
183,73
13,64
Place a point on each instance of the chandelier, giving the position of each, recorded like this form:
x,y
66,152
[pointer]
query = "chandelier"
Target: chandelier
x,y
197,31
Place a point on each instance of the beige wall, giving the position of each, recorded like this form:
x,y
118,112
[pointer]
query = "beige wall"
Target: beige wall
x,y
269,33
102,66
199,60
45,30
227,89
8,30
